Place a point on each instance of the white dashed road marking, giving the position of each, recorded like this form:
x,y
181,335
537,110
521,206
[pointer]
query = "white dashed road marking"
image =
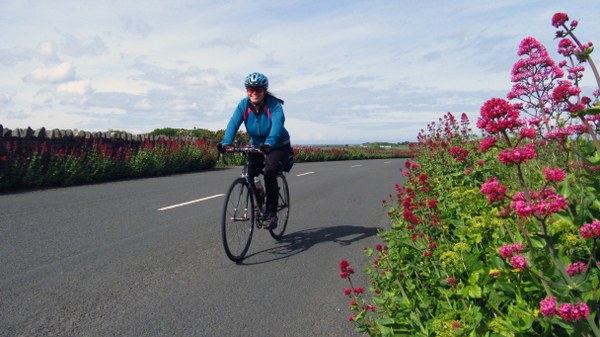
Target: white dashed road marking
x,y
190,202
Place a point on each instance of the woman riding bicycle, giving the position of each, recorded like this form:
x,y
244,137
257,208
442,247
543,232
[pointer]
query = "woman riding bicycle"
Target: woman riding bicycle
x,y
262,114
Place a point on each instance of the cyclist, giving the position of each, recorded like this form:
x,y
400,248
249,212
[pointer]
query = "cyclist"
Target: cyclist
x,y
262,114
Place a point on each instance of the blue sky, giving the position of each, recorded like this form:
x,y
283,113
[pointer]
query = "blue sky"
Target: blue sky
x,y
349,71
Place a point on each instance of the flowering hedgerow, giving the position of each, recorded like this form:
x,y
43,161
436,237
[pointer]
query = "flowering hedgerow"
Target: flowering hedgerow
x,y
42,163
497,235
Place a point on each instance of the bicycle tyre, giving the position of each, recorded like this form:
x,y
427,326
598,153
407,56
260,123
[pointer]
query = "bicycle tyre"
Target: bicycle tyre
x,y
237,223
283,207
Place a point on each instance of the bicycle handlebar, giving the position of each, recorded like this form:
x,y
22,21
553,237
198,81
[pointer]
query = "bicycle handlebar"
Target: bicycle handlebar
x,y
230,149
242,149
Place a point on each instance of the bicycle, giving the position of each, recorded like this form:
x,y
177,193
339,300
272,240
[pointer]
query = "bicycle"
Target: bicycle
x,y
244,209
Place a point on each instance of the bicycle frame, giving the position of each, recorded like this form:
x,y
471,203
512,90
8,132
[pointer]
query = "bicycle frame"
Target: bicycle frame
x,y
259,200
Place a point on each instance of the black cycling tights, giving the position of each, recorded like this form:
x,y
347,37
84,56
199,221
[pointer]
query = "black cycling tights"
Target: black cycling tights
x,y
272,164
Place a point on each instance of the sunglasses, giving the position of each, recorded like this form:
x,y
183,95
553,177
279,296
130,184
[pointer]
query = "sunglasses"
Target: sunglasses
x,y
255,90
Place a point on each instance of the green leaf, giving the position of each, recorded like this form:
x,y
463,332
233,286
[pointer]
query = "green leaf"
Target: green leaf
x,y
474,278
473,291
537,242
592,111
385,321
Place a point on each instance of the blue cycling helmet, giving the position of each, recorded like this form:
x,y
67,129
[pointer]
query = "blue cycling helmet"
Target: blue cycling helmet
x,y
256,80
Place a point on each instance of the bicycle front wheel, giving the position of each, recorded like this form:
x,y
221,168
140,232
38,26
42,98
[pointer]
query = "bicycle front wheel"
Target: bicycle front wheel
x,y
283,207
237,224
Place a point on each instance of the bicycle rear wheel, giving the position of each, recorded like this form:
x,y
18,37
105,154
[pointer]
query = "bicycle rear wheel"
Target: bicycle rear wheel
x,y
237,224
283,207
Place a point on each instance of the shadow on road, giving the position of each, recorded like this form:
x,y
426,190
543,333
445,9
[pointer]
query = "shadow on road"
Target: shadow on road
x,y
298,242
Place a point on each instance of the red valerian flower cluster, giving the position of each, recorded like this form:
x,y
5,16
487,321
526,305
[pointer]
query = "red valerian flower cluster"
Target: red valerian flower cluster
x,y
498,115
590,230
549,307
493,190
517,261
458,153
534,74
345,269
508,250
559,19
546,202
518,154
554,175
576,268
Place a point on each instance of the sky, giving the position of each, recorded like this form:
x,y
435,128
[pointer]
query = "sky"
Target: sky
x,y
349,71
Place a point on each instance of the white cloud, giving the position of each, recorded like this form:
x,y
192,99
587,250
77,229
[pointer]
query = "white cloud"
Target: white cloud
x,y
60,73
5,99
74,88
47,50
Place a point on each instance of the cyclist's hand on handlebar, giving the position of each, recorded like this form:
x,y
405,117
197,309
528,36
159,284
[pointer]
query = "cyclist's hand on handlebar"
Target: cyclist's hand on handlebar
x,y
222,148
265,148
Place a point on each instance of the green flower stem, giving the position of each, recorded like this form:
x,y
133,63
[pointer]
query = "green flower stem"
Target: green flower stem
x,y
542,225
557,261
589,59
591,130
593,326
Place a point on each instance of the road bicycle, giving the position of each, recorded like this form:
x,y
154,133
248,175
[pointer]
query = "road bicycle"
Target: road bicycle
x,y
245,208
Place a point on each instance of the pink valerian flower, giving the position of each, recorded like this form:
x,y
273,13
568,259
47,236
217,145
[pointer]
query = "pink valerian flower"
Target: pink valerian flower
x,y
508,250
345,269
548,306
543,203
554,175
566,47
451,281
359,290
564,91
498,115
559,19
487,143
590,230
458,153
518,154
519,262
528,133
432,204
576,73
570,312
493,190
533,74
347,291
576,268
551,202
558,133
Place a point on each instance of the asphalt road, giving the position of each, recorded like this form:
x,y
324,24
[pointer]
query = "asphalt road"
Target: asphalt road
x,y
144,257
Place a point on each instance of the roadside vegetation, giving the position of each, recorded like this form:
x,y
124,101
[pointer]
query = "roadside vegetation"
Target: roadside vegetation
x,y
497,233
37,162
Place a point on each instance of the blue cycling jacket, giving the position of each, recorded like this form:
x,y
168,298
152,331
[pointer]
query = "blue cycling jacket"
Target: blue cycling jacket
x,y
264,128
